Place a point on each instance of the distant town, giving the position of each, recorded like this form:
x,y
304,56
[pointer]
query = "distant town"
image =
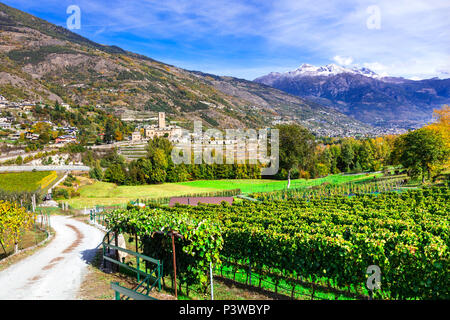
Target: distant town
x,y
16,121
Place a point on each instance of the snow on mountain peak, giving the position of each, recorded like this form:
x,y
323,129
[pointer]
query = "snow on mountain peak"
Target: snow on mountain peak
x,y
328,70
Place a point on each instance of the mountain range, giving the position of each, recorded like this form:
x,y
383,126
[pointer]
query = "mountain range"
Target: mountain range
x,y
364,95
312,71
44,62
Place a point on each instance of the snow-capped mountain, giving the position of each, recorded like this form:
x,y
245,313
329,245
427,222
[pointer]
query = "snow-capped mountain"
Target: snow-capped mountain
x,y
363,94
308,70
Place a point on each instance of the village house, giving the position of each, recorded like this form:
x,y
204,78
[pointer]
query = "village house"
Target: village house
x,y
27,107
66,106
65,139
31,136
136,136
3,102
14,136
5,123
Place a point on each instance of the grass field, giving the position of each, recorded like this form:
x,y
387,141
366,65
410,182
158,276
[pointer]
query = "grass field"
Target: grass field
x,y
261,185
26,181
104,193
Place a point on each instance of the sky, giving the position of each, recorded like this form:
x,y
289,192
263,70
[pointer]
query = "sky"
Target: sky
x,y
250,38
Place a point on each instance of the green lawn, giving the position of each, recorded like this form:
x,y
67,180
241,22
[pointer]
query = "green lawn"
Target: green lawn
x,y
26,181
104,193
249,186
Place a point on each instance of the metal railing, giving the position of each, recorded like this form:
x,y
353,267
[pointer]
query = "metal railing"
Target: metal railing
x,y
129,293
149,280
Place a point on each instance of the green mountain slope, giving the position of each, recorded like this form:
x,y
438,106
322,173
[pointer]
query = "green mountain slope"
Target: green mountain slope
x,y
44,62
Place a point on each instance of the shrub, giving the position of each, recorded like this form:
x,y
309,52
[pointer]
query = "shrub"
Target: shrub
x,y
60,193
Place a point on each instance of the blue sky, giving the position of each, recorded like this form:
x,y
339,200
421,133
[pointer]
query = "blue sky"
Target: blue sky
x,y
247,39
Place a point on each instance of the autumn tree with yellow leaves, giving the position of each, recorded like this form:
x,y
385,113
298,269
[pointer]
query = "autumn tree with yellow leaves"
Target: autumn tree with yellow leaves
x,y
426,151
441,124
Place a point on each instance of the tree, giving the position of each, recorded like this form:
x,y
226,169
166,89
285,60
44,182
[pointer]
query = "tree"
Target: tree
x,y
366,156
160,164
19,160
420,151
109,131
118,135
96,172
442,125
297,146
41,127
115,173
159,143
177,173
347,154
14,219
44,138
334,155
322,170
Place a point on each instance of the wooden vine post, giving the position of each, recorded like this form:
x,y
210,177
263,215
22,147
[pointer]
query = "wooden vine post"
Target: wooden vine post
x,y
174,264
250,268
211,280
173,234
136,240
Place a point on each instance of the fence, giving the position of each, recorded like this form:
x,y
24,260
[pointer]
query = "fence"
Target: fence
x,y
98,213
43,220
110,253
344,189
166,200
23,198
128,293
150,279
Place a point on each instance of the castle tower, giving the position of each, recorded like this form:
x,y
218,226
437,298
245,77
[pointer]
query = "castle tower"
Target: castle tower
x,y
162,120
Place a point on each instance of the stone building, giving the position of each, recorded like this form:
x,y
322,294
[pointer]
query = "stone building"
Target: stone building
x,y
136,136
161,130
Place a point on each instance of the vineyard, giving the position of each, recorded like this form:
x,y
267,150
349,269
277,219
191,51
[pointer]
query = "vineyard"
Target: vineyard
x,y
198,243
14,221
321,241
26,181
350,188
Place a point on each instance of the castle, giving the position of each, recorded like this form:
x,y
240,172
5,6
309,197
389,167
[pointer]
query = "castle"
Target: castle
x,y
161,130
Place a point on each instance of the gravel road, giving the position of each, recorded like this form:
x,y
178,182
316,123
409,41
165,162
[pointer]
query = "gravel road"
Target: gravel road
x,y
56,271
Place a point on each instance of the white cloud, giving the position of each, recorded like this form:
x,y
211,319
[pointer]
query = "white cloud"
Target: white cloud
x,y
413,39
344,61
378,68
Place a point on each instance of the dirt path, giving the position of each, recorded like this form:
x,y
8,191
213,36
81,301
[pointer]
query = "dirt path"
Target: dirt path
x,y
56,271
